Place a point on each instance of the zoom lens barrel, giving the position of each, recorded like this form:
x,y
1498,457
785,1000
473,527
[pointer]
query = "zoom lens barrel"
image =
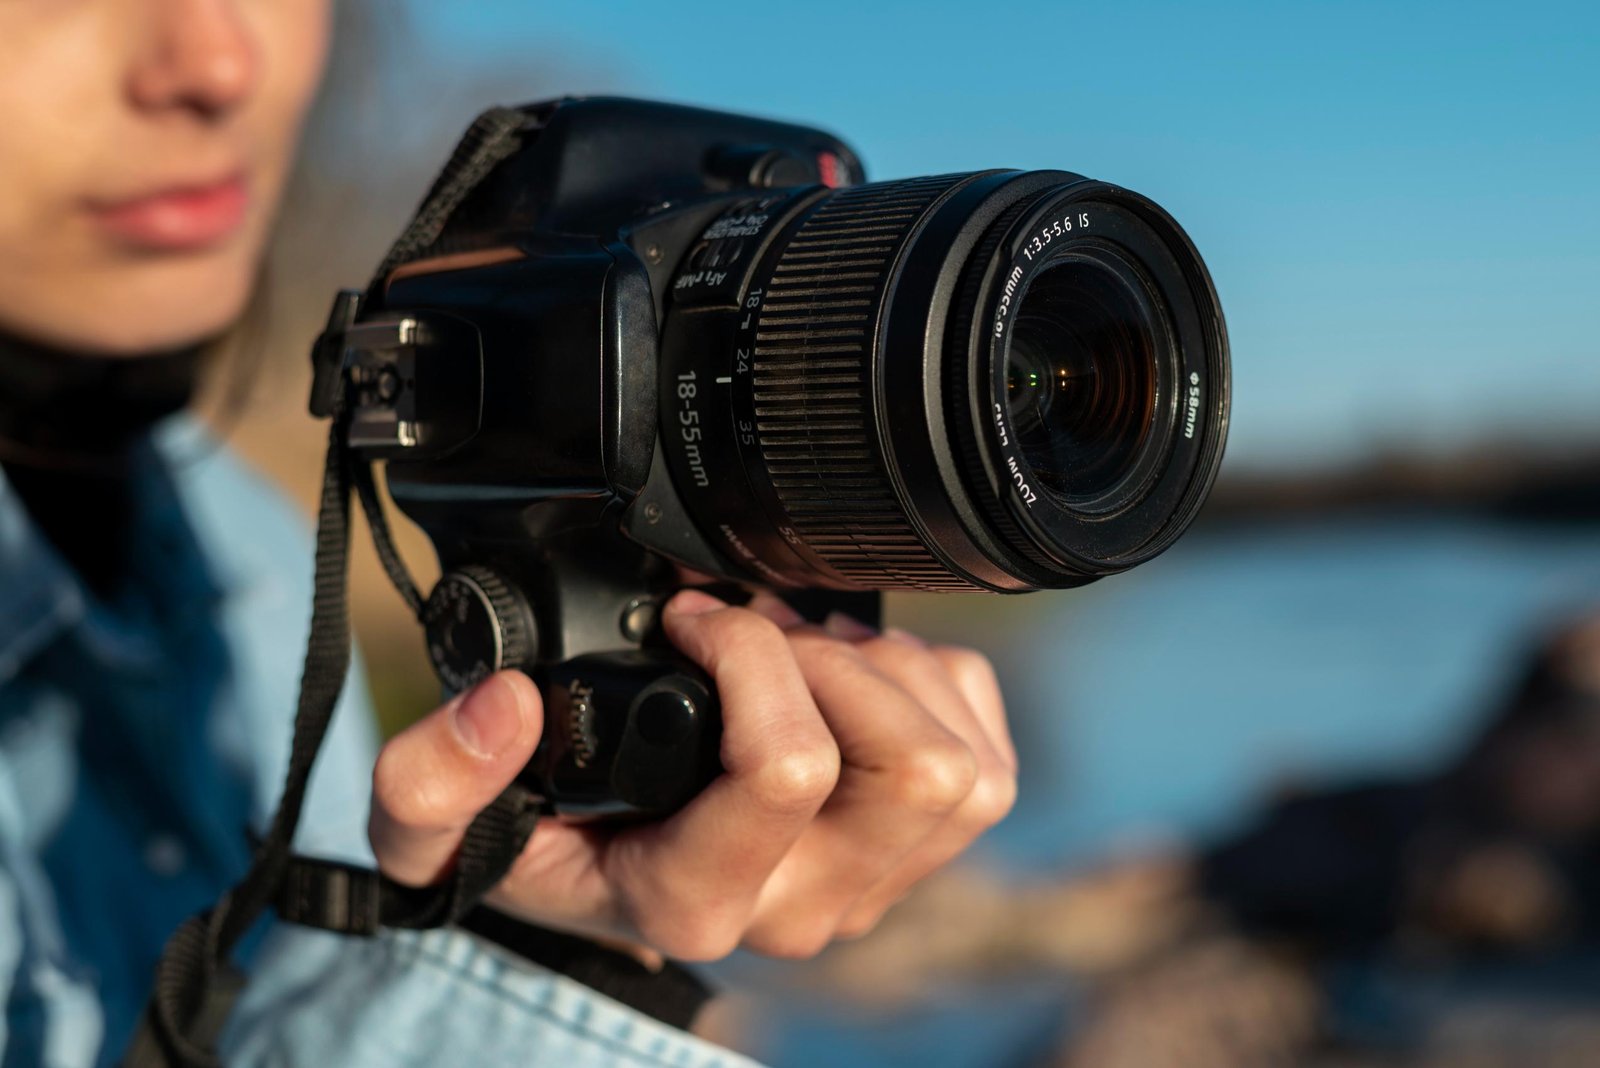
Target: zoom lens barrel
x,y
1000,380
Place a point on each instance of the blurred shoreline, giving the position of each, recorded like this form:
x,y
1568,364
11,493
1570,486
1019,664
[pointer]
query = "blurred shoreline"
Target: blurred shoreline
x,y
1509,480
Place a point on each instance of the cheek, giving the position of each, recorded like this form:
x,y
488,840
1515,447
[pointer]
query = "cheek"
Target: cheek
x,y
292,37
59,282
59,100
63,132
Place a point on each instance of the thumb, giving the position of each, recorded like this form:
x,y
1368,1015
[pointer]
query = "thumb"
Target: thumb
x,y
432,778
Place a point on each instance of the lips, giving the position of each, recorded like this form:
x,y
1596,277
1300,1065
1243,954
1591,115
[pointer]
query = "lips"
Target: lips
x,y
178,218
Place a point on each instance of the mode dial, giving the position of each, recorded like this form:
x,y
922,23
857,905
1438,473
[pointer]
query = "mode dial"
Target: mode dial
x,y
477,623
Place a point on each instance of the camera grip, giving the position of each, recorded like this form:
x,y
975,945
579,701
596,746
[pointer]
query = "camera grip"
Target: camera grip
x,y
627,734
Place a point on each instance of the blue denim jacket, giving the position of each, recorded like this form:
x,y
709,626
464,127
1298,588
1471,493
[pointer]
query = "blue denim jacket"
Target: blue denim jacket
x,y
138,739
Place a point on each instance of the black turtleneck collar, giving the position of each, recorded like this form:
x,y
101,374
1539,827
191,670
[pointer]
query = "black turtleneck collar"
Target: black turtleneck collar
x,y
72,430
67,409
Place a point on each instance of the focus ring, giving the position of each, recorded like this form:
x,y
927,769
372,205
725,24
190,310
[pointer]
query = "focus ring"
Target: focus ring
x,y
813,386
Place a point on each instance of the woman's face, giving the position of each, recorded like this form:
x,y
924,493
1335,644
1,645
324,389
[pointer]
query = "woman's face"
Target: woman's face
x,y
144,145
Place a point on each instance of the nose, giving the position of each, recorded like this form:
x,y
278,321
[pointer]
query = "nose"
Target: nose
x,y
198,55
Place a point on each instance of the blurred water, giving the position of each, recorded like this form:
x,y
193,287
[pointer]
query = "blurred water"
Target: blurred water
x,y
1165,702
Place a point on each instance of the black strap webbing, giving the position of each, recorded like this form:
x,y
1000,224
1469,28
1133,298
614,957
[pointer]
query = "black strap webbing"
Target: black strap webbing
x,y
492,137
195,984
352,900
388,555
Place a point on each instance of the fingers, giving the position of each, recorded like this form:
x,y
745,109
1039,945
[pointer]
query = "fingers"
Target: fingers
x,y
926,675
928,766
775,608
974,677
854,764
903,773
439,773
690,883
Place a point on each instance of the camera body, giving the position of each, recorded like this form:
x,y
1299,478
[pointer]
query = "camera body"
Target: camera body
x,y
525,438
510,381
658,340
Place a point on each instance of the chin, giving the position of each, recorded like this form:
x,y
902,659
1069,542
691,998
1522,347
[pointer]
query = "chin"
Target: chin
x,y
163,307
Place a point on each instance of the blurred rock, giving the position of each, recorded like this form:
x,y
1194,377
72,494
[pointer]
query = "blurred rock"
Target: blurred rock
x,y
967,925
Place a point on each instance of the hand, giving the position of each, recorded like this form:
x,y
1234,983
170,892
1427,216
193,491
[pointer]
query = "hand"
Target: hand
x,y
856,763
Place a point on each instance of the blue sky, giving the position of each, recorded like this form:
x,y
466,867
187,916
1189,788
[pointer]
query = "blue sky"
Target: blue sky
x,y
1400,202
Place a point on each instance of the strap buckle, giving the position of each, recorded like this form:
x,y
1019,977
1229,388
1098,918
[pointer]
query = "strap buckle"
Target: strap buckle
x,y
331,895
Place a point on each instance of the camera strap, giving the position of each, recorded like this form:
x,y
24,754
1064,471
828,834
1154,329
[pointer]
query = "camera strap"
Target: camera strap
x,y
196,983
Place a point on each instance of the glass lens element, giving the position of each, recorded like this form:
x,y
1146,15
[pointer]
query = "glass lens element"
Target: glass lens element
x,y
1081,377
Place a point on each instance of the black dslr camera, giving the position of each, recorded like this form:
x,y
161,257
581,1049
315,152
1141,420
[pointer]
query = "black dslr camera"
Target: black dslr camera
x,y
658,337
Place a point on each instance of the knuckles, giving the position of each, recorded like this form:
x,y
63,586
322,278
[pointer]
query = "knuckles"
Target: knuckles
x,y
992,798
967,665
971,671
690,934
858,925
797,779
792,938
935,777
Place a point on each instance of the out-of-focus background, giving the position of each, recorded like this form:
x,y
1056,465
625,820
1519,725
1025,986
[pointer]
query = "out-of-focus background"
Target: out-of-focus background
x,y
1322,784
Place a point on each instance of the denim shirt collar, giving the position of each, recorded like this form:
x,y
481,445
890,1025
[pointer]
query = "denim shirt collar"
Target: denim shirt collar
x,y
40,596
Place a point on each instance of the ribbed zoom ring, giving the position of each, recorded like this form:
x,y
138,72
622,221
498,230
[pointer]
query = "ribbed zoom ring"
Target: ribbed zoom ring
x,y
812,380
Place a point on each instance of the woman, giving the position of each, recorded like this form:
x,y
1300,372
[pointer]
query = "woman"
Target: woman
x,y
152,614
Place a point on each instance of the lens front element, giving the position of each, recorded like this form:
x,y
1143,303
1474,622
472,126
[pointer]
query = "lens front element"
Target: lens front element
x,y
1080,376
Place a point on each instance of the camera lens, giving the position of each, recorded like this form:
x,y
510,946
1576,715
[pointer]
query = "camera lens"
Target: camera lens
x,y
1081,374
1001,380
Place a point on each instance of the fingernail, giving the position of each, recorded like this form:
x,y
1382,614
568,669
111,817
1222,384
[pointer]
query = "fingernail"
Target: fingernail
x,y
846,627
489,718
693,603
906,636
